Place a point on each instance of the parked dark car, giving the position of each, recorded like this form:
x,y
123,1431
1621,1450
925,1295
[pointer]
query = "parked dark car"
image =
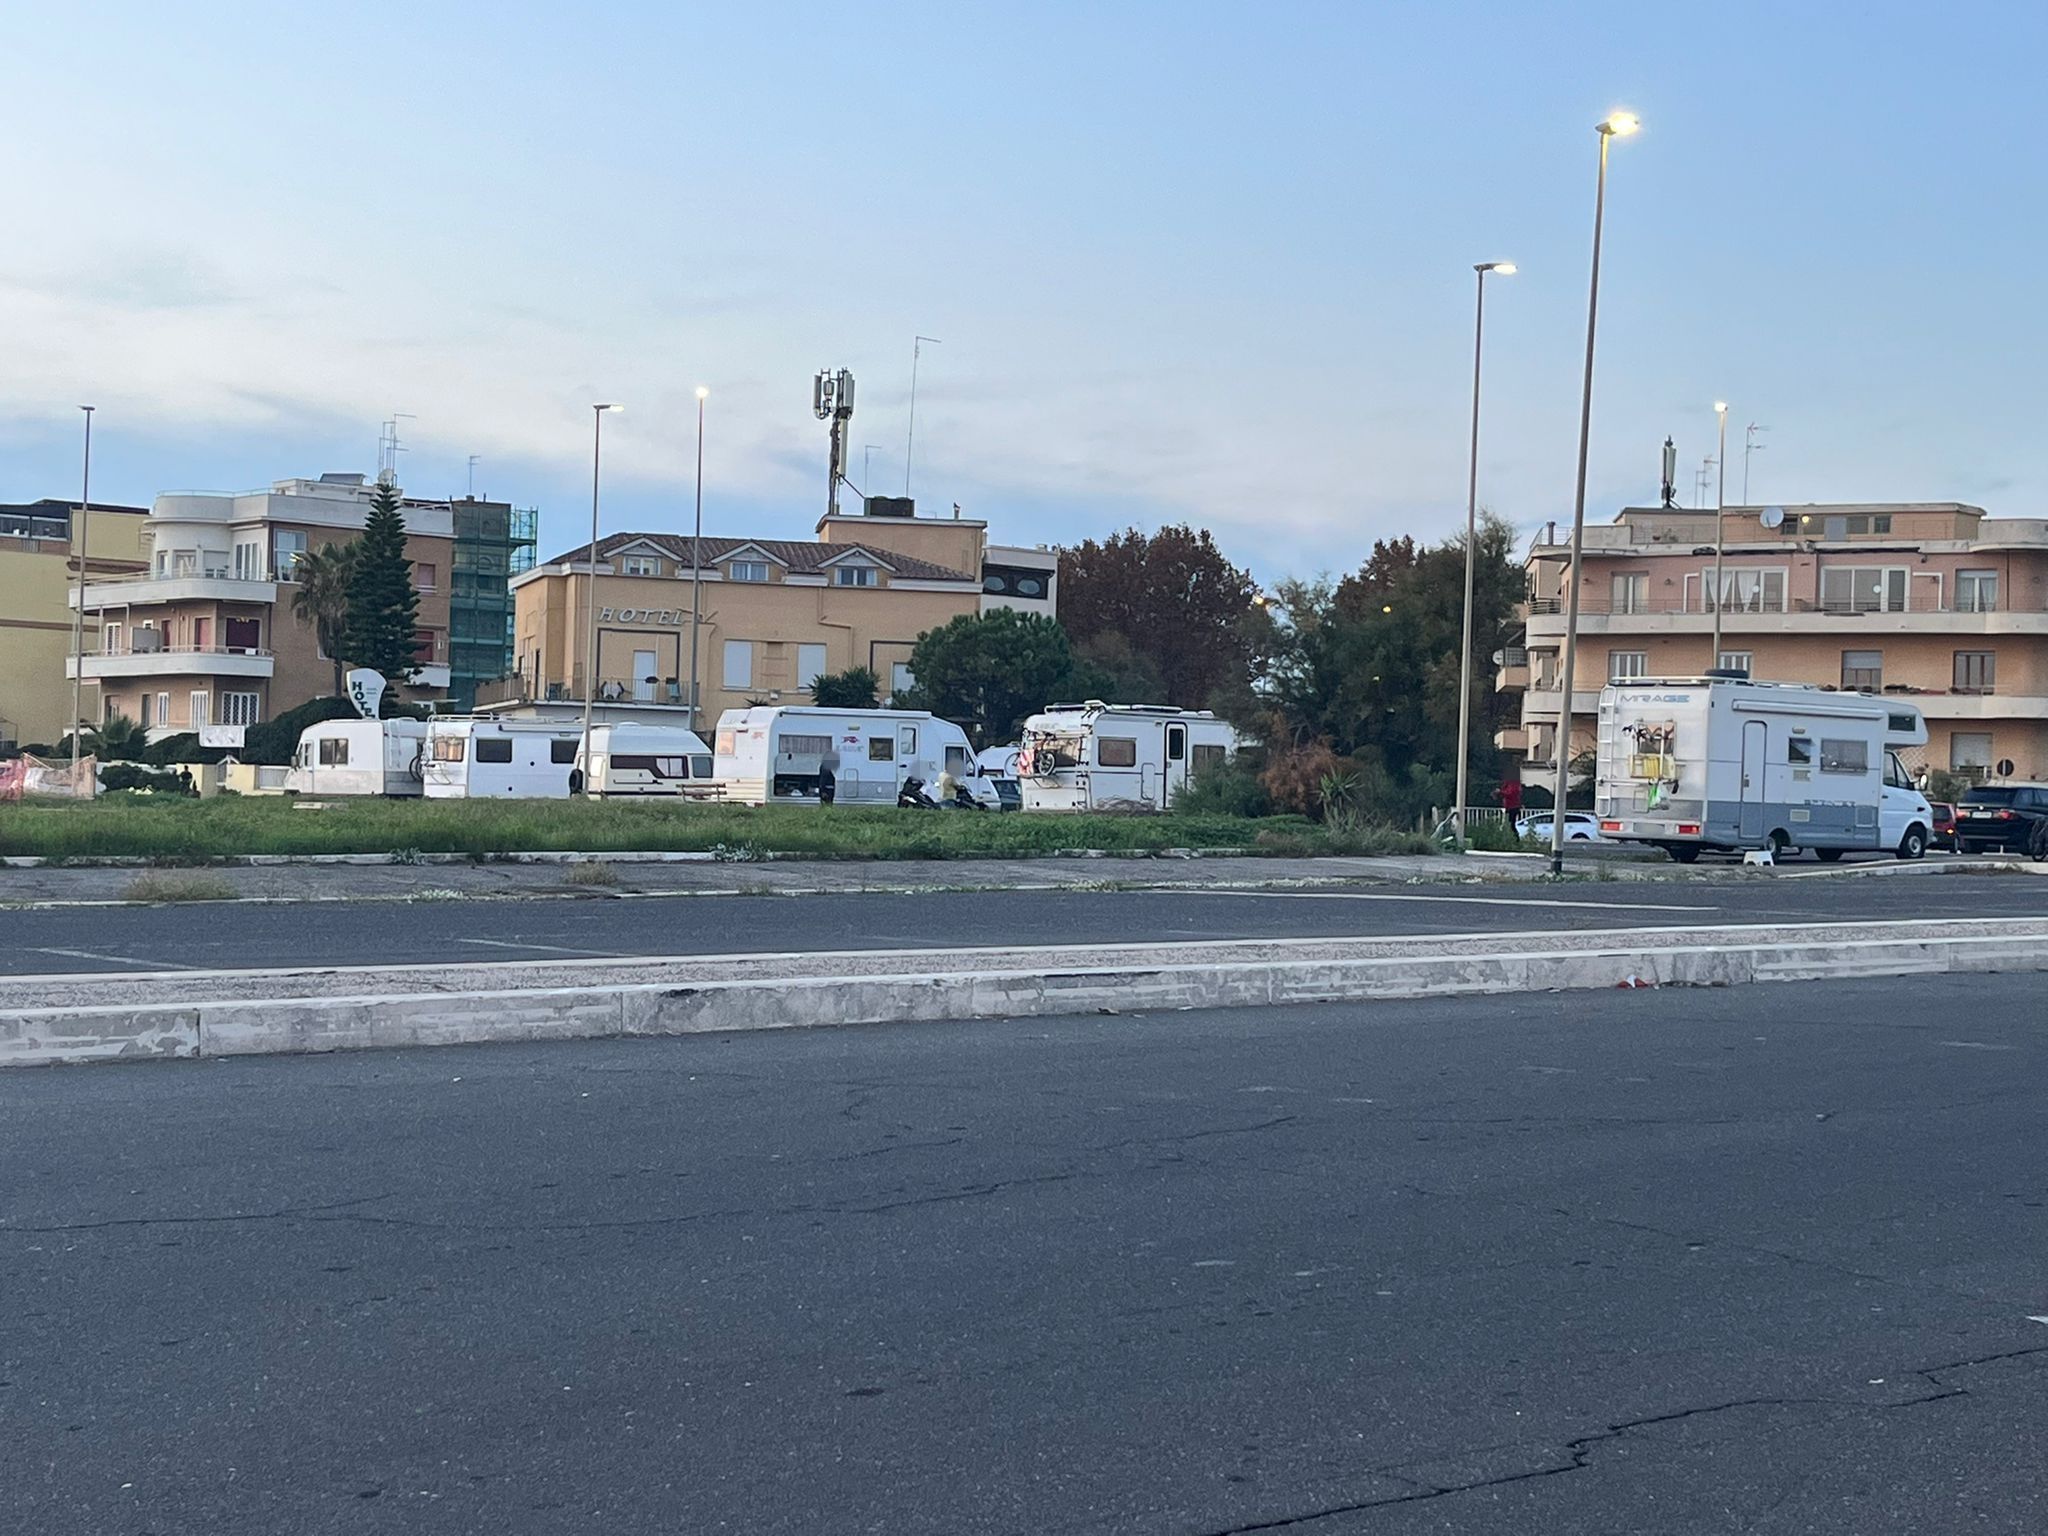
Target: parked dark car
x,y
1943,834
2003,818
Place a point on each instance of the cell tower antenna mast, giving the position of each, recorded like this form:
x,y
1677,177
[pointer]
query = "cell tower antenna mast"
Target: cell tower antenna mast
x,y
832,401
1750,445
473,459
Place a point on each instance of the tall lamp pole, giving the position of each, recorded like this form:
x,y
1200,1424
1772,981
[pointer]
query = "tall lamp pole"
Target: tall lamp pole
x,y
910,438
697,565
1505,269
590,583
1720,531
78,623
1620,125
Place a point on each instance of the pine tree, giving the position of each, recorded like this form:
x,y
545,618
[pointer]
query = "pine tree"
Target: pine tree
x,y
383,608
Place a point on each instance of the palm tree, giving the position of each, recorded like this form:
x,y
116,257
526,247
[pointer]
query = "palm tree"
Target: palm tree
x,y
323,578
118,739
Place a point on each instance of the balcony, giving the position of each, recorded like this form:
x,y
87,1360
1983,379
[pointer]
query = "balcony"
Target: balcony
x,y
1682,614
173,589
1512,738
174,661
1513,675
1544,701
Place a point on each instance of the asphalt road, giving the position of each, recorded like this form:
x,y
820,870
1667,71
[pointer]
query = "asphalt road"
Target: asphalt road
x,y
1769,1260
210,936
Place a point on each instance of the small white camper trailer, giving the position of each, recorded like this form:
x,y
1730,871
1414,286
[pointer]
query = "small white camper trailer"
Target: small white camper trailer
x,y
646,760
477,757
358,757
1105,757
799,755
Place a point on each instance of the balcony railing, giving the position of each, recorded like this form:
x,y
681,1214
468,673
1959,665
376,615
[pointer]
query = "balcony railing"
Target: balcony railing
x,y
1605,604
610,690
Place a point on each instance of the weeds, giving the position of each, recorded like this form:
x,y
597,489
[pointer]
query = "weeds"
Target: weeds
x,y
199,887
588,872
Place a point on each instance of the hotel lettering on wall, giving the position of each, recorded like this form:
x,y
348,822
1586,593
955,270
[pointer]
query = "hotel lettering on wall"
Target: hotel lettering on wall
x,y
673,616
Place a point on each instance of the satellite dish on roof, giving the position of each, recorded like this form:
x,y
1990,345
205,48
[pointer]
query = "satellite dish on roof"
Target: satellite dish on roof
x,y
1773,517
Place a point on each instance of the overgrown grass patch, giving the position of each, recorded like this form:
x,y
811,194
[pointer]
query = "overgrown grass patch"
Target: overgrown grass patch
x,y
191,886
194,831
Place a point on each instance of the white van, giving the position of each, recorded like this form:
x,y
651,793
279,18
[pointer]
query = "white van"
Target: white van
x,y
476,757
802,755
645,760
358,757
1721,762
1117,757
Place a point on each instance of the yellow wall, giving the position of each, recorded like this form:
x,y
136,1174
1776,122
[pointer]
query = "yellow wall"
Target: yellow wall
x,y
36,576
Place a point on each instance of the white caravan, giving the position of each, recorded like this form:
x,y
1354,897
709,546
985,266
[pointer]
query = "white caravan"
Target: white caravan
x,y
800,755
358,757
646,760
1117,757
477,757
1721,762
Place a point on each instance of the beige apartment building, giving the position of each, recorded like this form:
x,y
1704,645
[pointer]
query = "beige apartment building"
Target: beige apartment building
x,y
38,575
204,632
1933,602
777,613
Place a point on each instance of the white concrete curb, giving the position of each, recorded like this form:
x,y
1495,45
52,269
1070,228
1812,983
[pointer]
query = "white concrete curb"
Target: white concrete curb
x,y
34,1037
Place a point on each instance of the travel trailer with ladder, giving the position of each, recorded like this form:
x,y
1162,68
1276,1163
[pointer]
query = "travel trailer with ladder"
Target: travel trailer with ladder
x,y
802,755
1721,762
480,757
1104,757
645,760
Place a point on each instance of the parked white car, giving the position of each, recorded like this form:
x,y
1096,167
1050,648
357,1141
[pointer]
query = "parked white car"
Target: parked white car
x,y
1579,827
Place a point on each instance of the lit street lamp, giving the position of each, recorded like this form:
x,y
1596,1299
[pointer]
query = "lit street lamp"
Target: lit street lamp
x,y
697,562
590,582
1720,531
1505,269
1620,125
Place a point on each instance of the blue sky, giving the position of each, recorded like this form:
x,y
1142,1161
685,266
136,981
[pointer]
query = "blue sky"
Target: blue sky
x,y
1187,261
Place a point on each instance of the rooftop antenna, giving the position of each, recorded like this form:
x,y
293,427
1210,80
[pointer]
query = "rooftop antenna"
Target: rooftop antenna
x,y
389,448
472,474
1702,480
1750,445
1670,473
867,469
910,440
832,400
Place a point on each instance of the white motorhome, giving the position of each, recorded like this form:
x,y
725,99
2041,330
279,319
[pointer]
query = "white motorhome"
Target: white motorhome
x,y
477,757
358,757
1122,757
1721,762
801,755
645,760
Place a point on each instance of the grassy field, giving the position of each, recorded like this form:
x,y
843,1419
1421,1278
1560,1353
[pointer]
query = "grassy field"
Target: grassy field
x,y
177,830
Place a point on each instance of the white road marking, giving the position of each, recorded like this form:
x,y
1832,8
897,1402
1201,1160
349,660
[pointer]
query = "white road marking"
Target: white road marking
x,y
89,954
2038,1319
558,949
1978,1045
1470,901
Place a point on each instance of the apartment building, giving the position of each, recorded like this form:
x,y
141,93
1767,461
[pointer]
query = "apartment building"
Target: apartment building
x,y
1935,602
38,573
777,613
206,633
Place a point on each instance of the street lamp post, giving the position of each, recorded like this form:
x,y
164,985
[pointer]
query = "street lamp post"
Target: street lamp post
x,y
1620,125
697,565
79,545
1505,269
1720,531
590,583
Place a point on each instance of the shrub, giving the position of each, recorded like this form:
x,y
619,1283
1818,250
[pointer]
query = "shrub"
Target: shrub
x,y
1232,789
1294,777
118,776
588,872
155,887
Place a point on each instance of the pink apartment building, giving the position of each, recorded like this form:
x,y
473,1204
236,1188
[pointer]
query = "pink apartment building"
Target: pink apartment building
x,y
1935,602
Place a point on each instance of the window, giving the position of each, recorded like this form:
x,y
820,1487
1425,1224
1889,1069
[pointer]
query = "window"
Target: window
x,y
447,749
1116,751
810,663
1863,671
1976,671
562,749
1843,754
1738,661
424,644
1624,665
1799,752
881,750
1014,581
494,749
1201,758
163,709
1863,589
238,709
244,635
906,740
747,570
286,545
854,576
1895,775
1976,591
333,751
185,562
202,634
424,576
1631,594
146,722
901,678
1969,752
248,560
1745,591
110,639
700,765
1176,744
791,745
1903,722
739,664
642,565
956,760
199,709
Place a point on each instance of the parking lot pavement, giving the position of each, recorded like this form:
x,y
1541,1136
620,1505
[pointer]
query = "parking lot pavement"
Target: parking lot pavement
x,y
1678,1261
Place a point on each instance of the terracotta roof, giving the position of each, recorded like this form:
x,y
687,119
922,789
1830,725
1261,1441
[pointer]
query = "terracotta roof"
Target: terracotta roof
x,y
802,556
